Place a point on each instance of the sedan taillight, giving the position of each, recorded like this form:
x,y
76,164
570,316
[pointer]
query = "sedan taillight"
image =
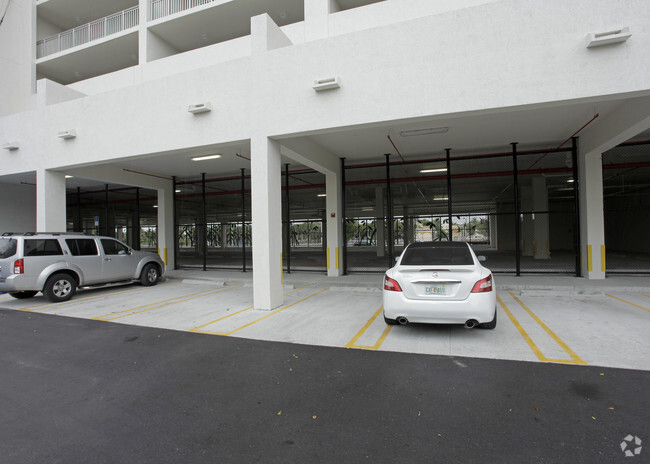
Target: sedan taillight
x,y
483,285
391,285
19,266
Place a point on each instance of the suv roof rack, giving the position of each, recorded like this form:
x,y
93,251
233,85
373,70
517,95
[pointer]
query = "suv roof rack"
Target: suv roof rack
x,y
29,234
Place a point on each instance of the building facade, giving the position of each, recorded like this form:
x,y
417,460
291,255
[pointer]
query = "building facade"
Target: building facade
x,y
325,135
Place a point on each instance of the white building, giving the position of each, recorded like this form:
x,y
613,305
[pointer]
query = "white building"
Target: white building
x,y
530,120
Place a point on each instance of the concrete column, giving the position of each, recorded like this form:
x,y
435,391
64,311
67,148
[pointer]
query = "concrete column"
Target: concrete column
x,y
266,208
166,225
334,228
592,221
50,201
541,245
379,221
317,18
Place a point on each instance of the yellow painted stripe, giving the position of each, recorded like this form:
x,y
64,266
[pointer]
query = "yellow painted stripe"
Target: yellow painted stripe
x,y
328,257
196,329
628,302
557,339
645,294
602,258
380,341
274,312
336,256
162,304
165,260
91,298
589,262
522,332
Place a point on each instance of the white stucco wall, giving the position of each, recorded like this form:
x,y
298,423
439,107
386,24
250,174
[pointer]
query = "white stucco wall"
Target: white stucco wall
x,y
459,61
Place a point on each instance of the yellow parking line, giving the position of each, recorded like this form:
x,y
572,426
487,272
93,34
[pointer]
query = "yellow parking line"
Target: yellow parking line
x,y
380,341
645,294
196,329
272,313
575,358
628,302
171,301
81,300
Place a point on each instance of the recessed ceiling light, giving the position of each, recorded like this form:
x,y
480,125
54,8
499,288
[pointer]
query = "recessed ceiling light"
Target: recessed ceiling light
x,y
432,130
207,157
424,171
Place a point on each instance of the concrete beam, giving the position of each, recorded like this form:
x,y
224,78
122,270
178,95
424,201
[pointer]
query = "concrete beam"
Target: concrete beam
x,y
311,154
266,35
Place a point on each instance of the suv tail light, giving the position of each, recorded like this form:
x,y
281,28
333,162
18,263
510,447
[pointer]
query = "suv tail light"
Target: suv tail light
x,y
391,285
483,285
19,266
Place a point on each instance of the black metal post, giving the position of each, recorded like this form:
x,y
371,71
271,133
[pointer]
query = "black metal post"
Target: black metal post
x,y
79,224
389,213
288,206
517,209
344,251
106,211
204,219
243,220
136,226
175,225
576,201
448,152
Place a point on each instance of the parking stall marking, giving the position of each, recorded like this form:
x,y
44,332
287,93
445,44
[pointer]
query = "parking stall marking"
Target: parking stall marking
x,y
380,341
196,329
628,302
272,313
575,359
163,303
90,298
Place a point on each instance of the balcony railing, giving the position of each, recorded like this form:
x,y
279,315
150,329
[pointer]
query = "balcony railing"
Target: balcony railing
x,y
162,8
95,30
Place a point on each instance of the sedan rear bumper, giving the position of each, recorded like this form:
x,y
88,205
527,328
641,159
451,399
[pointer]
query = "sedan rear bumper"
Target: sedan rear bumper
x,y
478,306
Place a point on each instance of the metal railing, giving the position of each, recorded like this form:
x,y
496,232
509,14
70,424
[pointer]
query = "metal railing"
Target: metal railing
x,y
162,8
86,33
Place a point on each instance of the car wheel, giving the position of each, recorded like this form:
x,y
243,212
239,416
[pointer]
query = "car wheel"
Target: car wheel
x,y
150,275
60,287
22,295
390,321
492,324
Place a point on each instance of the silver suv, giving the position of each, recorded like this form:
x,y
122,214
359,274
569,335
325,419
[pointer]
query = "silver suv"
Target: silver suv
x,y
57,264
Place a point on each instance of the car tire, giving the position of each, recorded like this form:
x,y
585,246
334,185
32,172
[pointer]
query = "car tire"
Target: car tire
x,y
22,295
150,275
60,287
492,324
390,321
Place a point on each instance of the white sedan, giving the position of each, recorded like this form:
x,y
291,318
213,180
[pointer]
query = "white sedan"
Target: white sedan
x,y
440,283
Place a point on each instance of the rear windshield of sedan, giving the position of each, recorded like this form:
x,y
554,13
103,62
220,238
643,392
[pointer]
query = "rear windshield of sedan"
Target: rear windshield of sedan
x,y
437,255
7,247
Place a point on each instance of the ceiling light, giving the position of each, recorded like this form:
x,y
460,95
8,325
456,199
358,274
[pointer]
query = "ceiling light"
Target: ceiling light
x,y
424,171
68,176
571,180
155,206
432,130
440,198
322,194
203,158
177,190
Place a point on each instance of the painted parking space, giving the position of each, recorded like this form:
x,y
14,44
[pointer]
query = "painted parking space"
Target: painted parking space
x,y
608,329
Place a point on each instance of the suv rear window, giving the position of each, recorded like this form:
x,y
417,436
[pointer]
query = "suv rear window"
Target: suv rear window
x,y
82,246
7,247
443,255
42,247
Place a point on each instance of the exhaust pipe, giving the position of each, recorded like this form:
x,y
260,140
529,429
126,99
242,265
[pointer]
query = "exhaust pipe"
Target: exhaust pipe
x,y
471,323
402,320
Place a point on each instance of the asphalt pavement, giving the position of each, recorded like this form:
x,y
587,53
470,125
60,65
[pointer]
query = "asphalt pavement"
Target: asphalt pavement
x,y
86,391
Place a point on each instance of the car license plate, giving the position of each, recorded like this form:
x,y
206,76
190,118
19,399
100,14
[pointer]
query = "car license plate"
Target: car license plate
x,y
435,290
